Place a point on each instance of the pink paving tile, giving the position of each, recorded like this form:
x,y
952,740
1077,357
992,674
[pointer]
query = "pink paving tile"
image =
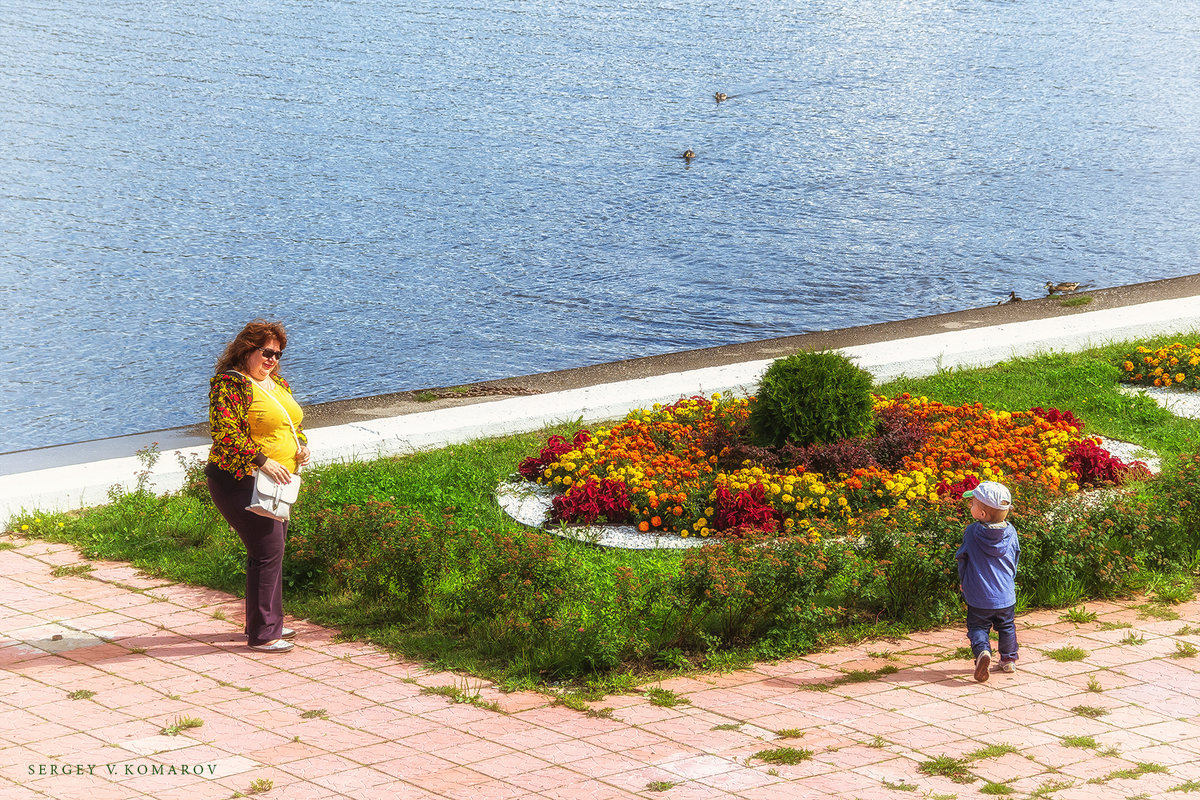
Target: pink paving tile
x,y
472,751
392,790
546,781
352,781
510,764
287,752
448,779
319,766
491,790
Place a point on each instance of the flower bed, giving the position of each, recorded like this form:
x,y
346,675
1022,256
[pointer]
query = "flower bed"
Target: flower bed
x,y
689,469
1174,365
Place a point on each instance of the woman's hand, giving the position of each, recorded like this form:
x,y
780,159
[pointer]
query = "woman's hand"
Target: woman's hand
x,y
303,455
276,471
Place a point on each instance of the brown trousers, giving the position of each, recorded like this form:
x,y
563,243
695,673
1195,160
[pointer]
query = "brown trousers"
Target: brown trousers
x,y
264,539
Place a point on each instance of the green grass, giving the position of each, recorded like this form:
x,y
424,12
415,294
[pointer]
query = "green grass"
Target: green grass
x,y
74,570
659,786
1066,653
1078,615
789,733
953,768
991,787
180,725
183,538
1079,741
783,755
1077,300
665,698
1091,712
81,694
1184,650
991,751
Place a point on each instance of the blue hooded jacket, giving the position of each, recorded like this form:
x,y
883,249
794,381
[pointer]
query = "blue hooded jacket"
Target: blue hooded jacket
x,y
987,565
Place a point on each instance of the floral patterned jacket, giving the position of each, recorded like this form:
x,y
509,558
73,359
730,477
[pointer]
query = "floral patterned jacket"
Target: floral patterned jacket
x,y
229,399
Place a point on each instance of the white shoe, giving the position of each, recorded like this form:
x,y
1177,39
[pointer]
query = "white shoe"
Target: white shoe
x,y
983,662
277,646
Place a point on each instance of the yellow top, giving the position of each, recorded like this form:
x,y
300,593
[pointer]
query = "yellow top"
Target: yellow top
x,y
269,428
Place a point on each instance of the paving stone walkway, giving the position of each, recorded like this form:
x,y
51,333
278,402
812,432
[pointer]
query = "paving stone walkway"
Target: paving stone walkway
x,y
102,673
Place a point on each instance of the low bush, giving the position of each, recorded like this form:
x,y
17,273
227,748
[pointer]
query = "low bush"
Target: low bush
x,y
812,397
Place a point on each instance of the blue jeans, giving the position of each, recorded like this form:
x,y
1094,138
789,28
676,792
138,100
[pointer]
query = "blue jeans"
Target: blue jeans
x,y
981,620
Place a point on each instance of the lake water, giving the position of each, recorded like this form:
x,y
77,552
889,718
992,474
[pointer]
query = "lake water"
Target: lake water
x,y
429,194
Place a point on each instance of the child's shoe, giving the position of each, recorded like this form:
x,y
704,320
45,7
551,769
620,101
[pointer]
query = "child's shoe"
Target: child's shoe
x,y
983,662
1007,666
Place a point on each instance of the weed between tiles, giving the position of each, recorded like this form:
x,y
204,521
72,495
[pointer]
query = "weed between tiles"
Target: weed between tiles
x,y
81,694
783,755
180,725
1184,650
1091,712
1066,653
665,697
953,768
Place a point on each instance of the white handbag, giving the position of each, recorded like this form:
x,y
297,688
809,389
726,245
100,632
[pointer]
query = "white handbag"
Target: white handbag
x,y
269,497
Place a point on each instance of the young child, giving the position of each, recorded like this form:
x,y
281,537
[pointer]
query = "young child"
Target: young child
x,y
987,572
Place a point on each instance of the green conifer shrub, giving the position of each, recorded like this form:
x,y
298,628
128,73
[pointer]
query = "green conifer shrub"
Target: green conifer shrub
x,y
812,398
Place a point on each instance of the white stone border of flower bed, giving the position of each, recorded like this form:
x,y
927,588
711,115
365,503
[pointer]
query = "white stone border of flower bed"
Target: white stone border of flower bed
x,y
529,504
1181,404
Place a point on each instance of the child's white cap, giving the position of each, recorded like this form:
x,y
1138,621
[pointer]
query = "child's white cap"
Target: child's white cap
x,y
991,494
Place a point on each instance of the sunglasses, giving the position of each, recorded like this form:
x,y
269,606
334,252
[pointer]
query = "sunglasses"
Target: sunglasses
x,y
269,354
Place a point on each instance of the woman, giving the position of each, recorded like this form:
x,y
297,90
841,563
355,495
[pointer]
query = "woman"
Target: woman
x,y
251,432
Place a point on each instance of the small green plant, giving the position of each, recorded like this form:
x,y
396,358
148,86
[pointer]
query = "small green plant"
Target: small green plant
x,y
1184,650
73,570
811,398
878,742
727,726
1091,712
138,651
783,755
1139,769
1079,741
1077,300
666,698
1079,615
900,787
260,785
953,768
1094,685
1173,589
659,786
789,733
219,615
7,546
181,724
1186,786
1115,626
1050,787
81,694
1157,611
1066,653
316,713
991,787
464,695
1188,630
887,655
425,396
600,713
1133,638
991,751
